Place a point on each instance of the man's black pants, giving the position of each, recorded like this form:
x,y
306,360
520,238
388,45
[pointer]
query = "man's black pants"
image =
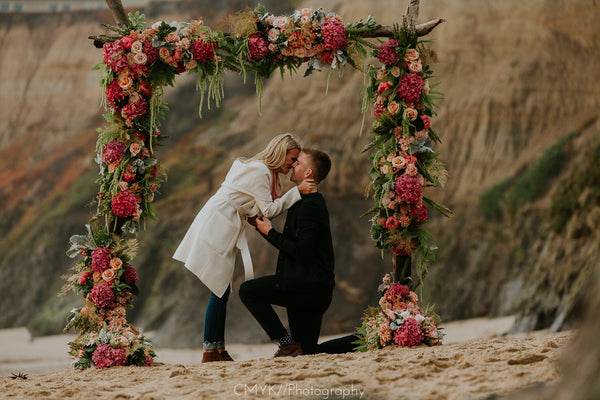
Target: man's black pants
x,y
304,309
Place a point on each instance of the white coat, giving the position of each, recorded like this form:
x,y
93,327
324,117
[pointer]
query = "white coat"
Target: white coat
x,y
210,245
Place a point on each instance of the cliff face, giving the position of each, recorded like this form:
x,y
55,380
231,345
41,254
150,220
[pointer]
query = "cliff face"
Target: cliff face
x,y
516,77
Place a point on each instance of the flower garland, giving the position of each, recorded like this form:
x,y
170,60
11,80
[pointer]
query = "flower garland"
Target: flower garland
x,y
141,62
398,320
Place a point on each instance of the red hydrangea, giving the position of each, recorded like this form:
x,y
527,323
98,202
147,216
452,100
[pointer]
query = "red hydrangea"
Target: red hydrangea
x,y
334,34
396,291
411,86
102,296
102,356
150,51
129,275
114,94
113,151
420,212
408,188
387,52
258,46
409,334
326,56
135,109
148,361
100,259
203,52
113,54
124,204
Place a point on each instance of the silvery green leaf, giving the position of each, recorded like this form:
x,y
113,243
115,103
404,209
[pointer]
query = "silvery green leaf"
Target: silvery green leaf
x,y
129,227
77,243
393,326
103,336
149,162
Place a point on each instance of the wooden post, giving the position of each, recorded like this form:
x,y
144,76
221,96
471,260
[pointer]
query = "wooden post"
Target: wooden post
x,y
118,12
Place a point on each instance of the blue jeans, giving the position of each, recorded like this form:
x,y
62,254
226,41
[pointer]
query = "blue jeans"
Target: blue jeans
x,y
214,321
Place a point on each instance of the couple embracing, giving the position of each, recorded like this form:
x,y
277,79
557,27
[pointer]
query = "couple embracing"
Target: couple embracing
x,y
304,278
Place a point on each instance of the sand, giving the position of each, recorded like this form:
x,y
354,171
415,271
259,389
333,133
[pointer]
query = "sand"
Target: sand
x,y
476,361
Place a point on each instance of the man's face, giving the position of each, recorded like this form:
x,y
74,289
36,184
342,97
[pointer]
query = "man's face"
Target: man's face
x,y
300,167
290,158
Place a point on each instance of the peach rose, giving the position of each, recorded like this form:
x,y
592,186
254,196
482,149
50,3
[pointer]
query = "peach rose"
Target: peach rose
x,y
398,131
109,274
381,73
398,162
116,263
422,134
415,67
412,170
270,19
163,52
184,43
305,19
137,47
411,113
125,81
280,22
111,168
135,149
287,52
172,37
393,107
306,12
301,52
411,55
404,220
191,65
130,58
274,34
123,185
83,312
426,86
395,71
140,58
97,276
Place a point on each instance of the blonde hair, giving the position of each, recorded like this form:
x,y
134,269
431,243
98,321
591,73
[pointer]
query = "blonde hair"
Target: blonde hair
x,y
273,156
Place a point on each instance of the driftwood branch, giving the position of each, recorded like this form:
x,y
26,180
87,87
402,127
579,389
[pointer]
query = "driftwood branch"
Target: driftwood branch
x,y
118,12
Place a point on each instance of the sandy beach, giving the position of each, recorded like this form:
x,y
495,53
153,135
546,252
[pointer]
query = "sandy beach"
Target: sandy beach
x,y
476,360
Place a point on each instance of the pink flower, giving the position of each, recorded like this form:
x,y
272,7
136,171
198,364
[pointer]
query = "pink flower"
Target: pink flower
x,y
102,356
113,151
135,148
387,52
119,357
334,34
387,278
411,114
102,296
280,22
420,213
135,108
108,275
396,291
415,67
127,41
393,107
426,121
140,58
385,333
124,204
137,47
391,222
83,277
100,259
383,86
403,247
148,361
410,88
409,334
258,46
203,52
327,57
408,188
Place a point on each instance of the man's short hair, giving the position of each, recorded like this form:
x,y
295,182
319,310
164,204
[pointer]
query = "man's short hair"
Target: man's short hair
x,y
321,163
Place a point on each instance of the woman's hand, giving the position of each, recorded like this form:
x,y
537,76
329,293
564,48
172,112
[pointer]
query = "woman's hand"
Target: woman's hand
x,y
307,186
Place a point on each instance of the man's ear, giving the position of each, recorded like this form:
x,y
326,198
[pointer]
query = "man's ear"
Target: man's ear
x,y
308,173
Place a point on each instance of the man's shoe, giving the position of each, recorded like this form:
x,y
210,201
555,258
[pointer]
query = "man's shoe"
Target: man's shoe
x,y
210,356
289,350
224,355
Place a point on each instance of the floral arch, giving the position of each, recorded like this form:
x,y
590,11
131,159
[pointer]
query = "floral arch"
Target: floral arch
x,y
140,60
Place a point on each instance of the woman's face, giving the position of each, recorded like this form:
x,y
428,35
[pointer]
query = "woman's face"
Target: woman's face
x,y
290,159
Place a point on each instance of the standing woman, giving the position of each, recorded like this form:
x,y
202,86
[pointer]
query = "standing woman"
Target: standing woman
x,y
251,188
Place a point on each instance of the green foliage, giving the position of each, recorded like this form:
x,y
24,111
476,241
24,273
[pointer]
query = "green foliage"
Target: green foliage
x,y
578,192
511,194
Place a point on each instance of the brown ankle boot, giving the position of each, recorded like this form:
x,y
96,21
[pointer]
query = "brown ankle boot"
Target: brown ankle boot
x,y
224,355
210,356
289,350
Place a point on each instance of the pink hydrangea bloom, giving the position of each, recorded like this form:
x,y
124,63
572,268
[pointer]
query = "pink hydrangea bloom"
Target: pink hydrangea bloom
x,y
102,296
403,248
411,86
203,52
113,151
334,34
135,108
420,212
387,52
408,188
396,291
409,334
258,46
119,357
124,204
102,356
113,54
150,51
100,259
148,361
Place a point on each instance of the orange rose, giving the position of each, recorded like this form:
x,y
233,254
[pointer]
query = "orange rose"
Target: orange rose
x,y
411,113
115,263
415,67
398,162
411,55
135,148
393,107
163,52
125,81
109,274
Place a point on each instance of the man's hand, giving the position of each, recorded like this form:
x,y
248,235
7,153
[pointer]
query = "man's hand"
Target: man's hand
x,y
252,221
264,225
